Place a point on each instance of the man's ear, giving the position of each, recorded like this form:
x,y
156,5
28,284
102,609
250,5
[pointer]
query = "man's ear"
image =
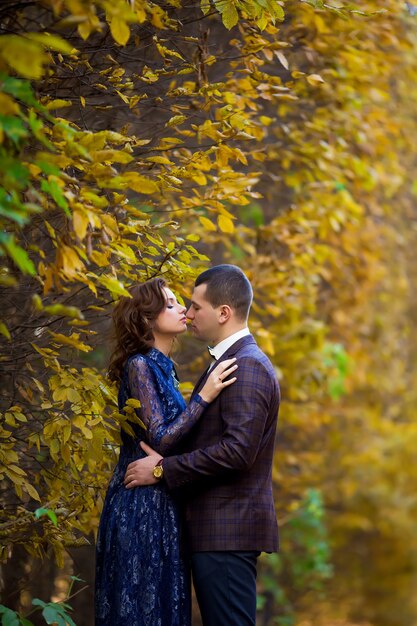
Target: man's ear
x,y
225,313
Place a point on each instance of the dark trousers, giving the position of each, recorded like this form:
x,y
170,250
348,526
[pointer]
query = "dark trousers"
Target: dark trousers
x,y
225,586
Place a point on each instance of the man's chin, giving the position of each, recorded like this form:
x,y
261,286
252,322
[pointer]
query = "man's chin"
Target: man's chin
x,y
195,333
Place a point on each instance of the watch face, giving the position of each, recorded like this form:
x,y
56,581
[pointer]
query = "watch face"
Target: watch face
x,y
158,471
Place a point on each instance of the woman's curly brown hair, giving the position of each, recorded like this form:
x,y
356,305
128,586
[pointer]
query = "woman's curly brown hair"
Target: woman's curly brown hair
x,y
132,323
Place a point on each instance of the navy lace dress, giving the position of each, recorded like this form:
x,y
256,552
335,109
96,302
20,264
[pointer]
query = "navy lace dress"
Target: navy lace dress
x,y
142,578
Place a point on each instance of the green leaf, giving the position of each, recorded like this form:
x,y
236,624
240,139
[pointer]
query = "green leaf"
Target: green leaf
x,y
228,12
20,89
48,168
49,513
15,216
51,615
55,191
14,174
13,127
10,618
19,256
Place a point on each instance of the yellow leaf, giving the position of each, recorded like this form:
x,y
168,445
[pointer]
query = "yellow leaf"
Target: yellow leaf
x,y
133,402
314,79
65,453
166,51
114,156
52,41
97,201
79,421
16,470
126,252
58,104
39,385
177,119
50,230
160,159
125,99
85,29
9,419
157,14
120,31
82,100
66,311
7,105
225,224
72,340
73,396
4,330
208,224
23,55
141,184
205,7
31,491
229,13
154,240
86,432
266,121
113,285
199,178
110,222
282,58
80,222
100,258
66,433
69,260
54,448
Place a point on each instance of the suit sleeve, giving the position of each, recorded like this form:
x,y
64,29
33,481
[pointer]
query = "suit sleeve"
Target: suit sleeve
x,y
244,406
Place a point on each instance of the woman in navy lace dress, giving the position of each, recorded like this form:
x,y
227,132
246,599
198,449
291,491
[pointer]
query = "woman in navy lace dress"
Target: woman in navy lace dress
x,y
142,578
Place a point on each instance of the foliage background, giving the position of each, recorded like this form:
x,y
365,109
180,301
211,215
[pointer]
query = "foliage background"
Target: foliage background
x,y
149,138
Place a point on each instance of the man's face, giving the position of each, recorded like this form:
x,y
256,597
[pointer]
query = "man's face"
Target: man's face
x,y
203,317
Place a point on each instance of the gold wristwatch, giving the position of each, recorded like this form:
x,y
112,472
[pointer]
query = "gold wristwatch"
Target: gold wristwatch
x,y
158,470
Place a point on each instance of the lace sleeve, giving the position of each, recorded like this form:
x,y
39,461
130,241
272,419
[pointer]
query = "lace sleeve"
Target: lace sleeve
x,y
162,436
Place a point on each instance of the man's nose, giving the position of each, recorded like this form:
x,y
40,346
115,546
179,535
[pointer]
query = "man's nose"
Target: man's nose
x,y
189,314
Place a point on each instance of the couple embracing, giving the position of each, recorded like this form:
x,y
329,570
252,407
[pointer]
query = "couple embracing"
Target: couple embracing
x,y
195,487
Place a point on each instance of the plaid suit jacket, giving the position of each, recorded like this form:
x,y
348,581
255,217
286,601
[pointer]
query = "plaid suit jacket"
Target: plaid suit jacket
x,y
226,470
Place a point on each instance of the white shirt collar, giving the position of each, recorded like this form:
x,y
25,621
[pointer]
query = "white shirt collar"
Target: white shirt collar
x,y
224,345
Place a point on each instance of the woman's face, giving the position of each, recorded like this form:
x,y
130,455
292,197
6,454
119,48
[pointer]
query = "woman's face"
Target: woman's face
x,y
171,321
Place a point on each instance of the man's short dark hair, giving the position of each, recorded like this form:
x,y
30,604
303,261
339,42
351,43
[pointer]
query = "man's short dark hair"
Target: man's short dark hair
x,y
227,284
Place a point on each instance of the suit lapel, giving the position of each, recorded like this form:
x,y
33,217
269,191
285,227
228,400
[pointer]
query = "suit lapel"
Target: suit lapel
x,y
234,349
199,384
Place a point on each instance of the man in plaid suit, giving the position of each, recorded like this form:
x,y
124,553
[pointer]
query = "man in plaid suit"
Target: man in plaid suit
x,y
226,465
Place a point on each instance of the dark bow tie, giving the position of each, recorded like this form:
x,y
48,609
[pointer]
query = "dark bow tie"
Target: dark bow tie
x,y
211,352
